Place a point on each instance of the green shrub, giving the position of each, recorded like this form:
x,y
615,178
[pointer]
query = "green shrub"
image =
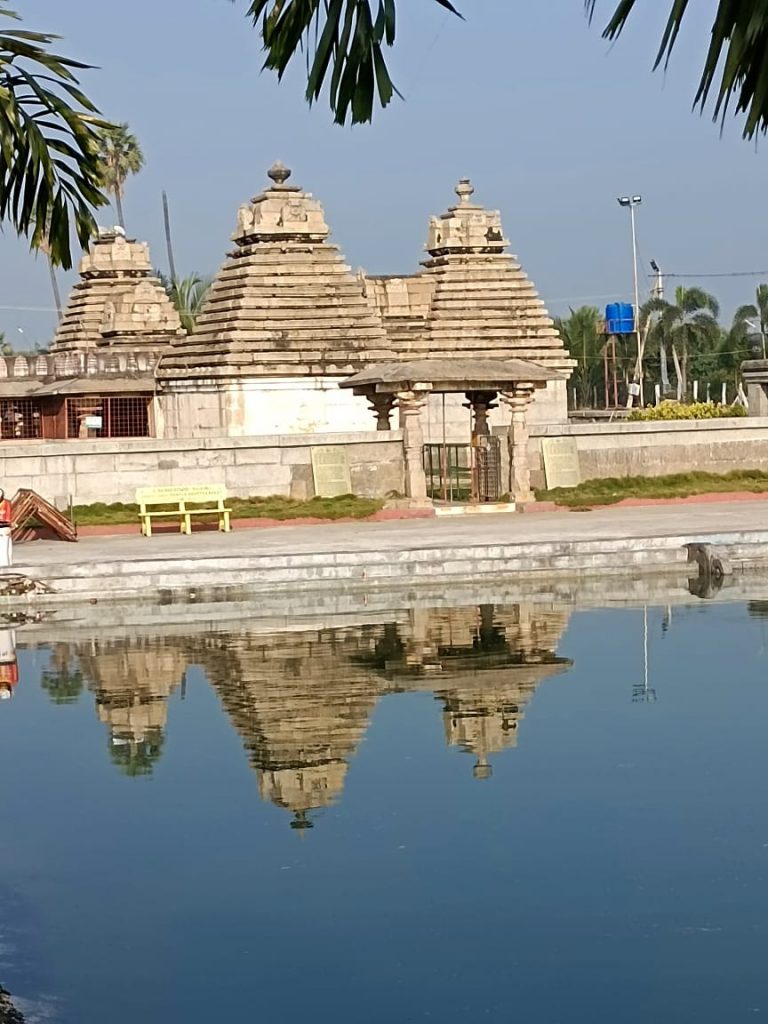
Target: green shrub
x,y
670,410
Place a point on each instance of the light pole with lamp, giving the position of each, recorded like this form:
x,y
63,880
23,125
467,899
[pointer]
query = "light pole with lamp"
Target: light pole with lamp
x,y
631,202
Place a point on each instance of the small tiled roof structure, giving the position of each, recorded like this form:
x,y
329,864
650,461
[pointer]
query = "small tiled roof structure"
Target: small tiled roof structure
x,y
471,300
118,301
284,304
451,375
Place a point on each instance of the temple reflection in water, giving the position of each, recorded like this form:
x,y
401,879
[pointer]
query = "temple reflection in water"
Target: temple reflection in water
x,y
302,699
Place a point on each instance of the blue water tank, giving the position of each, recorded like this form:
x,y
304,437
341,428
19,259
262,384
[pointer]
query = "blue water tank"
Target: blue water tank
x,y
619,318
612,317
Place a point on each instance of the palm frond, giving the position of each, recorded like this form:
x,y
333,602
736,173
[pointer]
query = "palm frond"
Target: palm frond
x,y
344,42
49,168
738,45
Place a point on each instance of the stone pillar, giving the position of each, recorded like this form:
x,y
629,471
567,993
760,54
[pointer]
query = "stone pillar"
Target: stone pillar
x,y
481,403
519,401
381,406
410,404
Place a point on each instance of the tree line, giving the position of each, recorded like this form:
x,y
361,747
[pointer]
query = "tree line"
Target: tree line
x,y
683,342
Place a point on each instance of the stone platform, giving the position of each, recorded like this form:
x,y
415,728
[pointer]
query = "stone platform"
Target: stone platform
x,y
366,557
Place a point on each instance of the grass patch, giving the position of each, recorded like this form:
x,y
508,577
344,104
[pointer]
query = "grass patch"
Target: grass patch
x,y
679,485
346,506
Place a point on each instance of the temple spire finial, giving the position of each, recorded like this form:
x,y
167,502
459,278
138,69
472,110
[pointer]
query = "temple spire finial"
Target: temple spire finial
x,y
279,173
465,190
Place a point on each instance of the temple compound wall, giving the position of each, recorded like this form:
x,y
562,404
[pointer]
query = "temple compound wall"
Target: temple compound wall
x,y
112,470
658,448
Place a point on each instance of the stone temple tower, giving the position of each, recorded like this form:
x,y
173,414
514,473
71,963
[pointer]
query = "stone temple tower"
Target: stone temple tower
x,y
471,300
118,303
285,321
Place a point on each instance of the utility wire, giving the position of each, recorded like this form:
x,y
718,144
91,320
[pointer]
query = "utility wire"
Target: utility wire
x,y
731,273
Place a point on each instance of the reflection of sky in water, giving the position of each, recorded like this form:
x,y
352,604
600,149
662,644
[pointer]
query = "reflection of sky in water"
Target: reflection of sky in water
x,y
504,822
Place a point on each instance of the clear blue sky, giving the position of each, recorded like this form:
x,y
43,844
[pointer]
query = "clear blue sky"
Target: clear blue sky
x,y
549,121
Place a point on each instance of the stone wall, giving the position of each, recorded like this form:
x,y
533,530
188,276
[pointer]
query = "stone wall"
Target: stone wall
x,y
269,406
659,448
109,470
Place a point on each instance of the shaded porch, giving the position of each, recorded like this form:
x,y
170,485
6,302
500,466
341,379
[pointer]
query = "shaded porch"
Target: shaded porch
x,y
484,383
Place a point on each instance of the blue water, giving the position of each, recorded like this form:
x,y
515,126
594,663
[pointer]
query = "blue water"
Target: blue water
x,y
612,867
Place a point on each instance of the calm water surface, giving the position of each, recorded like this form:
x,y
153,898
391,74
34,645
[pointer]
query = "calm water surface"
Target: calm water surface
x,y
501,813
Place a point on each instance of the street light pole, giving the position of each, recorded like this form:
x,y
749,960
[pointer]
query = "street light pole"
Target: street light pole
x,y
631,202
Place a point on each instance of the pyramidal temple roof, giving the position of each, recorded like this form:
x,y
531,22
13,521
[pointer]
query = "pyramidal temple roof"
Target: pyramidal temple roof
x,y
284,303
471,300
117,301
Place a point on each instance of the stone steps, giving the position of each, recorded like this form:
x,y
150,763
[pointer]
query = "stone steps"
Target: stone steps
x,y
154,577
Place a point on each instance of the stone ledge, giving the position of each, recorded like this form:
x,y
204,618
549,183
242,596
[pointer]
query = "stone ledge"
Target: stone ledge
x,y
757,423
118,446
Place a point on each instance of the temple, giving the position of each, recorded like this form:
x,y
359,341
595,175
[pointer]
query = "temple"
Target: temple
x,y
286,322
291,343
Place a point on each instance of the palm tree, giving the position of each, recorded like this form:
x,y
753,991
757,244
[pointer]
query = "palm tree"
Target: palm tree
x,y
753,317
580,336
188,297
50,171
121,156
687,327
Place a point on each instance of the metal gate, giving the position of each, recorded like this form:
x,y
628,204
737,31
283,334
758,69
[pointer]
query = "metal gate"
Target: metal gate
x,y
462,472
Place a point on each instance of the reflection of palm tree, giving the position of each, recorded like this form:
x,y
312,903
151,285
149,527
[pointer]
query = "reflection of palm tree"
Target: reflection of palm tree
x,y
63,681
137,757
62,686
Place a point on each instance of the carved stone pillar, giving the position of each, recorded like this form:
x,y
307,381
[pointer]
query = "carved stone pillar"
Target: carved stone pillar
x,y
481,403
381,406
410,404
519,401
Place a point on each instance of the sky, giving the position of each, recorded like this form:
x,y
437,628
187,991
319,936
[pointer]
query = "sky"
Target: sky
x,y
549,121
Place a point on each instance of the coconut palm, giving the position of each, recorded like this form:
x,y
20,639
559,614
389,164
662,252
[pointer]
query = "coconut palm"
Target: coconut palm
x,y
121,156
580,335
749,321
188,296
753,318
49,167
687,327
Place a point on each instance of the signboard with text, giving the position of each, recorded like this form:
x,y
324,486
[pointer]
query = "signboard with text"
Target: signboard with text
x,y
330,469
561,462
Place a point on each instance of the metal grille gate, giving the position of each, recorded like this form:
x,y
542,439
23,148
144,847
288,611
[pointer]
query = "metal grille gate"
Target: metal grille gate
x,y
461,472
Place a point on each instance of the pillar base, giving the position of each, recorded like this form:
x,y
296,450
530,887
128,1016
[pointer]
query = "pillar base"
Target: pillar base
x,y
409,503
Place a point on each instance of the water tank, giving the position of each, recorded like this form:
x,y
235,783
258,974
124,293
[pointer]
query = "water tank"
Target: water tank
x,y
619,318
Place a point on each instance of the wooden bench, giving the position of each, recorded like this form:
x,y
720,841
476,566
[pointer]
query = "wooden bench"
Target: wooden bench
x,y
153,503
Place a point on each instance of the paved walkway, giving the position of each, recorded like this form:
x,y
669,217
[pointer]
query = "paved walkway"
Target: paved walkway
x,y
633,524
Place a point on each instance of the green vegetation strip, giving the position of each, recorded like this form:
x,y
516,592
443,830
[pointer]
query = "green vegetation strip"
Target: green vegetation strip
x,y
679,485
346,506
